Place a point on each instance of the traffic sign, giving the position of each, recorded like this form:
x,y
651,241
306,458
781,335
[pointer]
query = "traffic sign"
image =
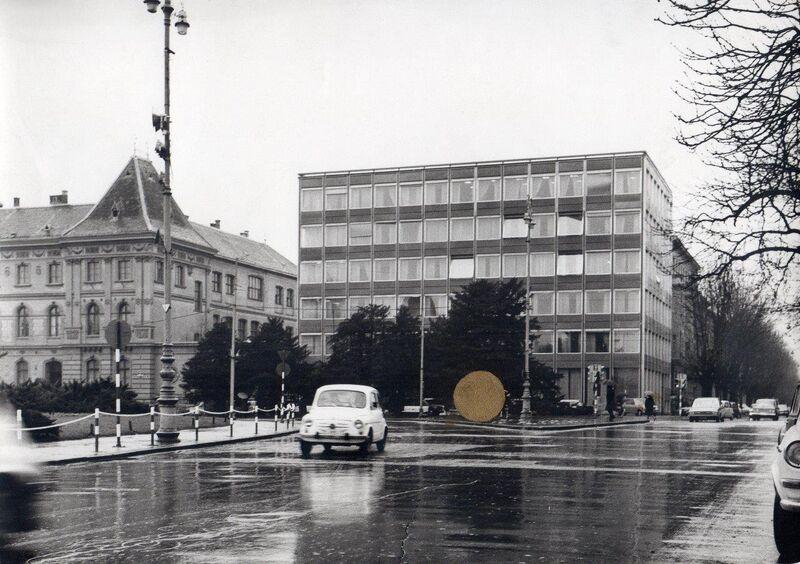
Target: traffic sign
x,y
118,334
681,380
283,368
166,307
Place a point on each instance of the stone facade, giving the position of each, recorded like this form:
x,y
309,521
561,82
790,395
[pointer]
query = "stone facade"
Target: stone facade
x,y
68,270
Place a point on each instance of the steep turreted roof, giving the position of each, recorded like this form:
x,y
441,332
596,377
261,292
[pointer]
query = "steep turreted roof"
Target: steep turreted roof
x,y
133,205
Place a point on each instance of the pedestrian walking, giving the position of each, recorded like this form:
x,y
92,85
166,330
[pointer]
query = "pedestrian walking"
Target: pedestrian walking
x,y
650,407
610,397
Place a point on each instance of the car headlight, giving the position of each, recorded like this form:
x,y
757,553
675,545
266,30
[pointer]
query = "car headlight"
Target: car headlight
x,y
308,422
792,454
358,424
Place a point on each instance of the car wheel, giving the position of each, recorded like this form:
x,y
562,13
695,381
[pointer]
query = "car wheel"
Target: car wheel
x,y
305,448
327,448
691,420
775,418
720,419
639,412
364,447
381,444
785,525
754,419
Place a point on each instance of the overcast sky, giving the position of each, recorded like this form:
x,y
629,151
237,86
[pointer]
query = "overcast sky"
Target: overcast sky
x,y
262,91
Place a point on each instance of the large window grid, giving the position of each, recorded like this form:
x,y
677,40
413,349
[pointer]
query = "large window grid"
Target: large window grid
x,y
410,232
570,185
409,268
544,225
310,236
489,190
311,272
627,221
462,191
436,230
435,305
336,235
435,268
411,194
543,186
436,192
487,227
310,308
487,266
542,264
336,308
385,270
628,182
542,303
514,227
570,302
336,198
515,188
598,262
462,228
335,271
360,234
597,302
385,233
360,270
255,288
626,340
360,197
598,223
311,199
598,183
385,195
514,265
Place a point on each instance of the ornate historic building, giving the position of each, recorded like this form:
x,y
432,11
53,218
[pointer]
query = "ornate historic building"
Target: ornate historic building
x,y
68,270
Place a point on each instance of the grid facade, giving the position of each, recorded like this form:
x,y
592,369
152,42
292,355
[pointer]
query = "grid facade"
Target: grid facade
x,y
599,265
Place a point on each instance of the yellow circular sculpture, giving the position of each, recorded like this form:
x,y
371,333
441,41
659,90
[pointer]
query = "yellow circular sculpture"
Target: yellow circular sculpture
x,y
479,396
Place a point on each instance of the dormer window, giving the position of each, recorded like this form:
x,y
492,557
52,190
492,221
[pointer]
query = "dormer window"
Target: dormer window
x,y
114,212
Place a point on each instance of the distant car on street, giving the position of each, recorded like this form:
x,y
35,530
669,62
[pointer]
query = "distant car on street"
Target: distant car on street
x,y
633,405
783,409
786,479
706,408
573,407
343,415
765,408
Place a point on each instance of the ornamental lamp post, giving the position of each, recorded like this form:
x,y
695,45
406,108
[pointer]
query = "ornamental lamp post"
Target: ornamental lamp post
x,y
525,415
167,399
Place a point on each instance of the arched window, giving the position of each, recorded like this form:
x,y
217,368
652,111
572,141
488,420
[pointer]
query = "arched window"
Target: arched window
x,y
123,311
22,371
52,372
124,370
23,324
93,319
92,370
53,321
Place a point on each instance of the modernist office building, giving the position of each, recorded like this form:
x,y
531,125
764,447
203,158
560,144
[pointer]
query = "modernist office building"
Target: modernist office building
x,y
599,263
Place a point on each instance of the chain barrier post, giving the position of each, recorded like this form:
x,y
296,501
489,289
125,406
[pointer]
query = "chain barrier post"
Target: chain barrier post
x,y
96,430
255,410
19,424
276,417
152,425
230,420
116,392
196,423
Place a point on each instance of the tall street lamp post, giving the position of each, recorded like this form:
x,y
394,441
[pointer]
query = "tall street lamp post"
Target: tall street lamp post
x,y
526,376
167,399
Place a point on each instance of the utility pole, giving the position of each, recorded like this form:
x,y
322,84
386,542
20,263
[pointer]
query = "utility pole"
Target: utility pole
x,y
422,359
233,336
167,399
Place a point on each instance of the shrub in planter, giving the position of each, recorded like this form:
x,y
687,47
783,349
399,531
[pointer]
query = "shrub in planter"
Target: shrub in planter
x,y
32,418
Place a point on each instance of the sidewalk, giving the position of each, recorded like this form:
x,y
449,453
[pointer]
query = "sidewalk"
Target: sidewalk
x,y
547,423
82,450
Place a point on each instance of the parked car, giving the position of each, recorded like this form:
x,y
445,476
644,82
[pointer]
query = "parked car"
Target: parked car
x,y
633,405
764,408
706,408
429,407
17,490
573,407
783,409
346,415
786,479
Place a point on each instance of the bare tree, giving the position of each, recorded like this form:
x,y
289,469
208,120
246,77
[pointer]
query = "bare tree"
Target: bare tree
x,y
743,86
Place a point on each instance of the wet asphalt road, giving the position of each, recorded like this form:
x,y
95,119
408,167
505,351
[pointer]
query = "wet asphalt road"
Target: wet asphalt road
x,y
672,491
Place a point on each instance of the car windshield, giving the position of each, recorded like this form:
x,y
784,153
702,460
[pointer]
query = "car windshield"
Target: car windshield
x,y
706,402
765,403
342,398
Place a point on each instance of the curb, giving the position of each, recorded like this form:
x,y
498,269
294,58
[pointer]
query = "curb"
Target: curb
x,y
161,449
565,427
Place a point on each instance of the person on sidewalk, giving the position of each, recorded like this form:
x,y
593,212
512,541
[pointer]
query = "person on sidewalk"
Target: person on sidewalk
x,y
610,397
650,408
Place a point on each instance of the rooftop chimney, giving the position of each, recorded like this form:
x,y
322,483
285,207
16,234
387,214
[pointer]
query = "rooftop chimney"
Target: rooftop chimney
x,y
245,233
16,202
60,199
215,224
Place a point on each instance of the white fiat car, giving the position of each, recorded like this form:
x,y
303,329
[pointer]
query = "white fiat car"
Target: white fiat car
x,y
346,415
786,478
